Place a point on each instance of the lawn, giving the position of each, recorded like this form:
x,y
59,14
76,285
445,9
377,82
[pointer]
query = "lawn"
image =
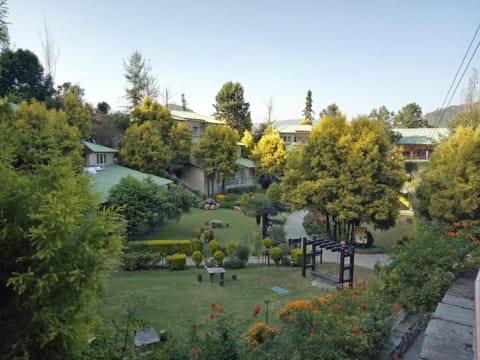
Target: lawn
x,y
383,240
173,300
240,227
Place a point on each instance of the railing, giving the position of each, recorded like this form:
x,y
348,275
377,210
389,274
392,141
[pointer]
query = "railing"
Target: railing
x,y
477,318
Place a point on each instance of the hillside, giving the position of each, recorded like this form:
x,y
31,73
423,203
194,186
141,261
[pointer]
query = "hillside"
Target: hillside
x,y
451,113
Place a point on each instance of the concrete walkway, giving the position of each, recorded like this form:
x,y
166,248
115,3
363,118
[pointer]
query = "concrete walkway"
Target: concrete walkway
x,y
294,229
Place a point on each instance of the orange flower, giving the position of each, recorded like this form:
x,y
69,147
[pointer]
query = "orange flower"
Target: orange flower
x,y
337,306
256,310
193,351
355,330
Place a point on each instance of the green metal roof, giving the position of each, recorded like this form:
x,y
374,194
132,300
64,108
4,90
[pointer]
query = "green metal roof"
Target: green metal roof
x,y
245,162
98,148
415,140
105,179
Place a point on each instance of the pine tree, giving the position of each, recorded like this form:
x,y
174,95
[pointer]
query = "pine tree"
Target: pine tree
x,y
308,112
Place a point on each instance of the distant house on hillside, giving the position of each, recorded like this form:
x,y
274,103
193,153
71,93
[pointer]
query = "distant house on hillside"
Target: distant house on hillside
x,y
296,133
419,143
197,123
105,173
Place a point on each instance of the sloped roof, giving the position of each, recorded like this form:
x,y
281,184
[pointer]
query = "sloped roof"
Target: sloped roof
x,y
98,148
421,136
110,176
295,128
245,163
190,115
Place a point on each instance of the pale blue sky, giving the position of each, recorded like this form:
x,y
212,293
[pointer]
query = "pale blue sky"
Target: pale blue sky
x,y
358,54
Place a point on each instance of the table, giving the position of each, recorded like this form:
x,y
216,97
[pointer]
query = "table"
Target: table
x,y
216,270
216,223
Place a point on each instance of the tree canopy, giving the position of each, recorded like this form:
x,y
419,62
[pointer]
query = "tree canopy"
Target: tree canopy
x,y
4,37
449,190
331,110
216,153
232,108
410,117
55,239
146,205
22,76
154,143
270,155
348,172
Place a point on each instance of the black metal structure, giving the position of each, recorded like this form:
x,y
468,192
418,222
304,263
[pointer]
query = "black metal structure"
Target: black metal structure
x,y
347,259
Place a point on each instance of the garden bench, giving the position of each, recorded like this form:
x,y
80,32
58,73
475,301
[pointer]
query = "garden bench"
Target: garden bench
x,y
216,270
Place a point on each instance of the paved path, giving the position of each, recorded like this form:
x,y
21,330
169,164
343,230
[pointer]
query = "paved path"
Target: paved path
x,y
294,229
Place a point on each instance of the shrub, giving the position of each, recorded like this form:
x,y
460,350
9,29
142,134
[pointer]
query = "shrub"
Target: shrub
x,y
242,252
213,246
197,245
219,256
220,198
230,201
231,247
275,254
277,235
241,189
208,234
196,233
297,257
170,246
139,256
233,262
267,242
176,261
314,223
197,258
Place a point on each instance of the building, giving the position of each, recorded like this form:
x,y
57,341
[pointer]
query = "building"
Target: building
x,y
291,134
419,143
105,173
197,123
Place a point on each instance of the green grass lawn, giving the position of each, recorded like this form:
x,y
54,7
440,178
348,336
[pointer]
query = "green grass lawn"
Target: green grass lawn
x,y
173,300
240,227
383,240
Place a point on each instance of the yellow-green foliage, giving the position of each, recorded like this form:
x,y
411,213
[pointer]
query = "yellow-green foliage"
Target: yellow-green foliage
x,y
197,258
267,242
176,261
213,246
219,198
197,245
275,254
297,257
170,246
231,246
219,256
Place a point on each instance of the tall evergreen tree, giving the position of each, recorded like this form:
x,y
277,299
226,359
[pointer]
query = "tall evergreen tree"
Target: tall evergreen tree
x,y
308,111
410,117
232,108
4,38
140,80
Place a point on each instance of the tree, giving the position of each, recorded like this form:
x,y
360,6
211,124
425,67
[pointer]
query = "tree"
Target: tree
x,y
449,190
472,93
348,172
4,38
231,107
140,80
248,142
216,153
22,77
50,52
103,107
386,117
331,110
308,111
410,117
56,241
145,205
270,155
269,110
184,103
259,131
154,143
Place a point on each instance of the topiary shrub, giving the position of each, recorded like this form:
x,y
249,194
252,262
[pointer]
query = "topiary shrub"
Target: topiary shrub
x,y
139,256
267,242
242,252
197,258
297,257
233,262
196,233
170,246
208,234
231,247
197,245
176,261
213,246
219,256
276,254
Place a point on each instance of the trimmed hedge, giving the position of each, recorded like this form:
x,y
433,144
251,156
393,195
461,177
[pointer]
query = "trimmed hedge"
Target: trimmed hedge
x,y
297,257
170,246
176,261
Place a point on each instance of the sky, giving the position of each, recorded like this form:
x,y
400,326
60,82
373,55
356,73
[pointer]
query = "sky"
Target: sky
x,y
359,54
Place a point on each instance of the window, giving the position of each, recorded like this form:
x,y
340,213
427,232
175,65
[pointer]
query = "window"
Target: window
x,y
101,158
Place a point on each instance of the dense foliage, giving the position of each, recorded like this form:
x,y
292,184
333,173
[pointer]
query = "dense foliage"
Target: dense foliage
x,y
55,239
348,172
146,205
231,107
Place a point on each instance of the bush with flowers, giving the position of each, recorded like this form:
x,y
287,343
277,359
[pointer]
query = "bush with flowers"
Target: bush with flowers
x,y
424,266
